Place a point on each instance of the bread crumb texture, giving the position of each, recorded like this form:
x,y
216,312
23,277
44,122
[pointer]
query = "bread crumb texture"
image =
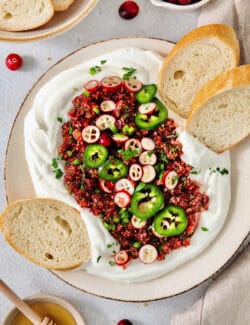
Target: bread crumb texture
x,y
47,232
23,15
220,113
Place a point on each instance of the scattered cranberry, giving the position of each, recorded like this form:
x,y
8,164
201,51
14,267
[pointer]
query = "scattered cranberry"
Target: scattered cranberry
x,y
13,61
128,9
105,140
124,322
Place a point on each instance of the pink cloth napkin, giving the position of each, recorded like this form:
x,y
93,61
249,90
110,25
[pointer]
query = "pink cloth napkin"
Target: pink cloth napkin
x,y
227,300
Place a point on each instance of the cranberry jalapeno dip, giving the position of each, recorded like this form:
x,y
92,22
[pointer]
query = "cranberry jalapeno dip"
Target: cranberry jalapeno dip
x,y
158,156
123,161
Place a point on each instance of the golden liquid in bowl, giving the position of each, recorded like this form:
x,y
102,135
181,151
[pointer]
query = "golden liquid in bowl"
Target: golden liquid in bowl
x,y
60,315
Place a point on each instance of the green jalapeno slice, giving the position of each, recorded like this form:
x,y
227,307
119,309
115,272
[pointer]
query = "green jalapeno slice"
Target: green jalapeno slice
x,y
150,122
146,201
146,93
171,221
95,155
112,170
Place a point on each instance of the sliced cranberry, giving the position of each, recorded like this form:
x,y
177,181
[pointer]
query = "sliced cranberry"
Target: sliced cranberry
x,y
121,257
128,9
13,61
105,139
122,199
91,85
111,83
133,85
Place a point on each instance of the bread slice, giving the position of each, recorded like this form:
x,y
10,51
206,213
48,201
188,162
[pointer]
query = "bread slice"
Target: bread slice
x,y
23,15
47,232
220,113
198,57
61,5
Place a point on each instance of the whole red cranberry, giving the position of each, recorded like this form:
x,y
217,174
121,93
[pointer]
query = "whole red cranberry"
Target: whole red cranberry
x,y
128,9
105,139
124,322
13,61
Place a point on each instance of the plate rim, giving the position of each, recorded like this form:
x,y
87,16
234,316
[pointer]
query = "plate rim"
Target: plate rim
x,y
214,274
74,21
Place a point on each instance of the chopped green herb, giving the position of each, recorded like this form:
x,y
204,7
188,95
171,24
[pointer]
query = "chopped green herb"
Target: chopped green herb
x,y
116,219
103,61
195,171
163,157
76,162
173,150
204,229
59,157
98,259
82,186
137,244
128,154
85,93
222,171
69,153
60,119
97,190
150,153
93,70
110,245
70,130
96,110
54,163
82,167
174,179
128,73
58,173
111,263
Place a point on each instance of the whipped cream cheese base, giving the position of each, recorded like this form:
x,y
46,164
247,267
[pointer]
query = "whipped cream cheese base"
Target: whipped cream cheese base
x,y
42,134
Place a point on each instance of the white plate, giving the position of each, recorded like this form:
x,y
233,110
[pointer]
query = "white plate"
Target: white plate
x,y
18,185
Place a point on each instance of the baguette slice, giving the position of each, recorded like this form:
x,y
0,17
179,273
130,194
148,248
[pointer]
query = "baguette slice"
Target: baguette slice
x,y
47,232
198,57
61,5
23,15
220,113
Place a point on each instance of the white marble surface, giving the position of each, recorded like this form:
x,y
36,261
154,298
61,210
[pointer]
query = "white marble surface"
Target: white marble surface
x,y
103,23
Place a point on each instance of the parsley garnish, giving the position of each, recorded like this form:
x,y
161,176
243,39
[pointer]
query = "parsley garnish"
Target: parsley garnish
x,y
110,245
98,259
59,119
195,171
204,229
150,153
111,263
222,171
128,154
56,170
128,73
93,70
103,61
163,157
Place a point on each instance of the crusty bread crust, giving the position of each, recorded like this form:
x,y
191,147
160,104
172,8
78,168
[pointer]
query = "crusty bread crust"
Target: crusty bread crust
x,y
223,32
4,218
237,77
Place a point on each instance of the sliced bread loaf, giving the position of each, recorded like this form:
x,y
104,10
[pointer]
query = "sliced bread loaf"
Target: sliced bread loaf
x,y
47,232
61,5
220,113
198,57
23,15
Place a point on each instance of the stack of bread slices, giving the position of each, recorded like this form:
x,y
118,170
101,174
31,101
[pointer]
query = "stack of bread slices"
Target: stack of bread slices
x,y
24,15
201,81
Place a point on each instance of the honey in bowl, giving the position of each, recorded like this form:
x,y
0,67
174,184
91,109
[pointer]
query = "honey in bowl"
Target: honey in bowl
x,y
59,314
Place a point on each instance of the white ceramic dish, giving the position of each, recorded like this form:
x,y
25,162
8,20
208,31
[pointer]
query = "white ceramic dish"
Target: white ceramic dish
x,y
46,298
18,185
172,6
59,23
